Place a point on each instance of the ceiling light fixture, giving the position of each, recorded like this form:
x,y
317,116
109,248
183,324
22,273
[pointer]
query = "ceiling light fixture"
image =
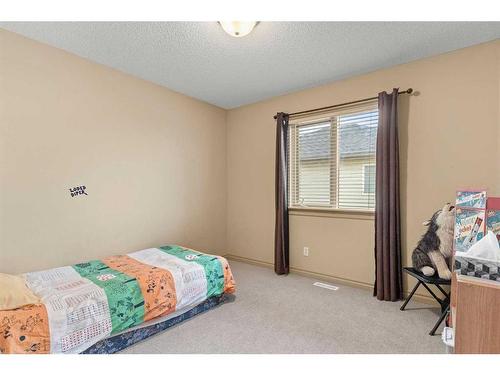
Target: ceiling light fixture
x,y
238,28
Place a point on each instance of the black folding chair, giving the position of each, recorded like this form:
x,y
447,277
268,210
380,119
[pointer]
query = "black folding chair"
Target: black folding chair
x,y
433,280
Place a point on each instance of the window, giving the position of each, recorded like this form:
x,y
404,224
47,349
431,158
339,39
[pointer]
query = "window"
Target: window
x,y
369,179
332,159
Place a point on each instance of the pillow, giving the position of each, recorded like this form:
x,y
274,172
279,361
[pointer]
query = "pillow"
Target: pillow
x,y
14,293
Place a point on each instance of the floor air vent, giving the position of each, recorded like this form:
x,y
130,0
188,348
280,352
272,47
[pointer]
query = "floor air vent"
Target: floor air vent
x,y
326,286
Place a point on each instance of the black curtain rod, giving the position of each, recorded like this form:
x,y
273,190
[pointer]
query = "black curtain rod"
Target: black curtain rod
x,y
409,91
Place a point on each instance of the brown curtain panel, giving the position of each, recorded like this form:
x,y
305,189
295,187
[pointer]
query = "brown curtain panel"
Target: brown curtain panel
x,y
281,252
388,273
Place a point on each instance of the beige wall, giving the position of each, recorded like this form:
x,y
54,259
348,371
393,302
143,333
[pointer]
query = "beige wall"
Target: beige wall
x,y
498,108
449,134
153,161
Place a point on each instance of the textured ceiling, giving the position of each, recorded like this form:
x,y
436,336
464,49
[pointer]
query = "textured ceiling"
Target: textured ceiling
x,y
198,59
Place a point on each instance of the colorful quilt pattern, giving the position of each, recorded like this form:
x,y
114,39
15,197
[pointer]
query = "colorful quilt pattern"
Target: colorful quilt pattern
x,y
88,302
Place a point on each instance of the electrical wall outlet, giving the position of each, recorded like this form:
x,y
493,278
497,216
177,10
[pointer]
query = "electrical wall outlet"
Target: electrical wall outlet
x,y
306,251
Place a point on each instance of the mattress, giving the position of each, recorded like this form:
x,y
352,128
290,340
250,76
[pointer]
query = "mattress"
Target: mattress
x,y
89,302
132,336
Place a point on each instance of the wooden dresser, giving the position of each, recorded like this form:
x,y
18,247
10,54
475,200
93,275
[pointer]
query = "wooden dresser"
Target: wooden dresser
x,y
475,307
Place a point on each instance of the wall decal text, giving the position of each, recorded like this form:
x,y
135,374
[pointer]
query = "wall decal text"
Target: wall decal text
x,y
79,190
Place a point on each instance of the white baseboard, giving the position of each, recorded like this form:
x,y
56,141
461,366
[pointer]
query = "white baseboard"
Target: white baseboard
x,y
330,278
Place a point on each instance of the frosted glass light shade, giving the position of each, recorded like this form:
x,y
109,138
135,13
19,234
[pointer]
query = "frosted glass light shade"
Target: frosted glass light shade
x,y
238,28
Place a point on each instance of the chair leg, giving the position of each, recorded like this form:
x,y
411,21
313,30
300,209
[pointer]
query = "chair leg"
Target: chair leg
x,y
445,304
439,300
447,295
410,295
440,320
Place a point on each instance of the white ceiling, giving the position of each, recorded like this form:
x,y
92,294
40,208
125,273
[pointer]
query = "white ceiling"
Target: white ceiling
x,y
198,59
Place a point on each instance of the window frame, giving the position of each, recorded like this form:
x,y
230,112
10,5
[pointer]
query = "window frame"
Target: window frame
x,y
316,210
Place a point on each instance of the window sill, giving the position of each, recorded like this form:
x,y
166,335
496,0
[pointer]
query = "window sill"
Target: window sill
x,y
332,212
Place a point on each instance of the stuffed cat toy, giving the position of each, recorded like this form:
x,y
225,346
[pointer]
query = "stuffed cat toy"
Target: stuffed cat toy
x,y
435,250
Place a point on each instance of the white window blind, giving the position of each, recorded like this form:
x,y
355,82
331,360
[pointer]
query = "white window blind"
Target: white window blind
x,y
332,159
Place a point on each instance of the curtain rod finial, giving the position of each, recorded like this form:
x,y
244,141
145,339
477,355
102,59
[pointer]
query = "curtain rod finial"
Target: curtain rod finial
x,y
409,91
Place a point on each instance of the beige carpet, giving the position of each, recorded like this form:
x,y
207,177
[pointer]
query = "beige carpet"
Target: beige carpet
x,y
287,314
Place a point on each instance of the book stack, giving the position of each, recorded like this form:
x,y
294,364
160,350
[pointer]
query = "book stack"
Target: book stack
x,y
475,216
470,214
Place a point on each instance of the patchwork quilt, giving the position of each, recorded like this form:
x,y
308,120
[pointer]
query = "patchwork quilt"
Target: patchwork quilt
x,y
87,302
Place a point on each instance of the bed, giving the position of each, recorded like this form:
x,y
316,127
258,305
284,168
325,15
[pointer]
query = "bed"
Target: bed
x,y
104,306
